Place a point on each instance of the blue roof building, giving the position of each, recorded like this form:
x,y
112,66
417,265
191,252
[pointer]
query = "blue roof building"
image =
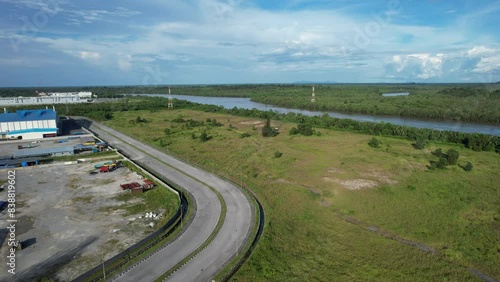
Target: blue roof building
x,y
29,124
27,115
44,152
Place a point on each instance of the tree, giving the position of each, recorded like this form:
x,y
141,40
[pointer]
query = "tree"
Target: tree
x,y
374,143
108,115
419,144
293,131
452,156
267,130
305,129
438,153
444,162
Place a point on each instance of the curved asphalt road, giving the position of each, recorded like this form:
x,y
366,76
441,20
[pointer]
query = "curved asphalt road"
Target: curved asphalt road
x,y
228,242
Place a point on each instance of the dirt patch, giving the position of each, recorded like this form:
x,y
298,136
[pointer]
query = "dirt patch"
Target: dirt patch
x,y
65,209
416,166
381,176
252,122
281,180
335,170
353,184
310,189
313,190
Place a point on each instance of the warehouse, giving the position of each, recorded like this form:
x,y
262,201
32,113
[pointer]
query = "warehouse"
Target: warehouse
x,y
29,124
45,152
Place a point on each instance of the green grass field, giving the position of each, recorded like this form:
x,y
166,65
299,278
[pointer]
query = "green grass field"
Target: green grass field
x,y
321,184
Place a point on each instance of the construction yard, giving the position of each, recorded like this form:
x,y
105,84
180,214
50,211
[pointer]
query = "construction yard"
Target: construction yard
x,y
72,217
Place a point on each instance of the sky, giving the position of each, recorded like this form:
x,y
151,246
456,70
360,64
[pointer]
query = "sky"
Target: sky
x,y
167,42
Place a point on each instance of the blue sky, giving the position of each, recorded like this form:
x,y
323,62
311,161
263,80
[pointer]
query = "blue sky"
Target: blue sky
x,y
129,42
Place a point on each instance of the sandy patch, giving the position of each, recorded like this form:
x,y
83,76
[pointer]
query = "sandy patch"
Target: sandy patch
x,y
416,166
353,184
335,170
381,176
252,122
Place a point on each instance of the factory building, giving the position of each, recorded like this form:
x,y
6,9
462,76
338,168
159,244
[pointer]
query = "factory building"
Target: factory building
x,y
49,98
29,124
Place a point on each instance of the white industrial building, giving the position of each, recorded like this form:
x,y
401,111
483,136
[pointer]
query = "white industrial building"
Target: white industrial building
x,y
81,95
29,124
49,98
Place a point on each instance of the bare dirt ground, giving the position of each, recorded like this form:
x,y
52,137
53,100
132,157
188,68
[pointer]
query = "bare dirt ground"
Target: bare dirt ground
x,y
377,177
67,215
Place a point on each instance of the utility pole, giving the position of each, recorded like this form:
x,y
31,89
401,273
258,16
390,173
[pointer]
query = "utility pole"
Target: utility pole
x,y
170,101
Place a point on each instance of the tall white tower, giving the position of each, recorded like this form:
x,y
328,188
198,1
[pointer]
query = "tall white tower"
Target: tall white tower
x,y
313,96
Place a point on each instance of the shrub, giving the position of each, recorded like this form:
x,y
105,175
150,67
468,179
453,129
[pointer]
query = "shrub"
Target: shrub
x,y
419,144
438,153
278,154
468,166
193,135
204,137
305,129
452,156
374,143
293,131
244,135
432,165
444,161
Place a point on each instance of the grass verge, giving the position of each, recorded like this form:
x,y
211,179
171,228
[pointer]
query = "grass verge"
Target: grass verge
x,y
318,177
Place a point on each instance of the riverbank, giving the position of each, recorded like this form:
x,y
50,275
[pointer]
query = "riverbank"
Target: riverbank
x,y
247,103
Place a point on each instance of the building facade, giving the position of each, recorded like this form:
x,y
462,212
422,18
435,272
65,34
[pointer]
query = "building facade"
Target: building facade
x,y
29,124
49,98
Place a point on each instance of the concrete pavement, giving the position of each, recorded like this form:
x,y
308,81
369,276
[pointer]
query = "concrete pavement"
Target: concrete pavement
x,y
229,240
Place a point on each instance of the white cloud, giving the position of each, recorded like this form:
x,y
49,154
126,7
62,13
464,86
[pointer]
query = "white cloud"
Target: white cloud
x,y
423,66
234,35
479,51
89,55
488,64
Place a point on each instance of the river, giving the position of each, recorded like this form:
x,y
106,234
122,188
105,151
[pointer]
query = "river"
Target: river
x,y
245,103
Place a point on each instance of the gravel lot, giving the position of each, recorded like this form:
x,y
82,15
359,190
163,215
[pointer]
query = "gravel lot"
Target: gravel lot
x,y
67,214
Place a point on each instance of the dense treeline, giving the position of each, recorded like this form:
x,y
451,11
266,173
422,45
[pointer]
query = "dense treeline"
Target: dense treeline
x,y
461,102
103,111
477,142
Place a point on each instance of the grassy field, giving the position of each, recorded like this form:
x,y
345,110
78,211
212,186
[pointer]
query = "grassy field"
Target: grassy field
x,y
325,195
